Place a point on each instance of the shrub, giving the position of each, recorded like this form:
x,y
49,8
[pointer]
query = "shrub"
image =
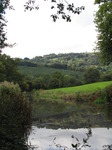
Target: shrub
x,y
15,117
9,89
109,93
104,96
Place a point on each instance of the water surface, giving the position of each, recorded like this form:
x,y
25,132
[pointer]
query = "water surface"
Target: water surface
x,y
72,125
50,139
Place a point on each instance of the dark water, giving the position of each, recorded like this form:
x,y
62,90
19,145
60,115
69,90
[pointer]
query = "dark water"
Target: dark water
x,y
71,127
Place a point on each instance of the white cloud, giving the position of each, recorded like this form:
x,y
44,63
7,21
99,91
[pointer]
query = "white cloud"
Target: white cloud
x,y
36,34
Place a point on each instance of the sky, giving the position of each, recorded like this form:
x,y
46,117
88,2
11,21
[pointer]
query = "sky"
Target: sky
x,y
35,34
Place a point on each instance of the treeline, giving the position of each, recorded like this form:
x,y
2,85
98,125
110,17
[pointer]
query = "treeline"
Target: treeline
x,y
55,80
71,61
59,79
9,71
63,70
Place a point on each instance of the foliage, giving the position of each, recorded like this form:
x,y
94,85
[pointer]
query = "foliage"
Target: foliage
x,y
80,68
9,88
9,67
9,71
103,20
104,96
101,1
63,9
91,75
43,77
2,25
109,93
72,66
101,97
4,4
15,117
69,61
106,77
56,80
77,62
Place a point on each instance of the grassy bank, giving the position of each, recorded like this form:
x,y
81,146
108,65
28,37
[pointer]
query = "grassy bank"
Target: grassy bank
x,y
48,103
61,93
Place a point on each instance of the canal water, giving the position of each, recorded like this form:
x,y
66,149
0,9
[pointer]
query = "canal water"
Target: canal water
x,y
60,139
84,128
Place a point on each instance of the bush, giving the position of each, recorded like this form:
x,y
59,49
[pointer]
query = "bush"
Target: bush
x,y
104,96
15,117
91,75
9,89
109,93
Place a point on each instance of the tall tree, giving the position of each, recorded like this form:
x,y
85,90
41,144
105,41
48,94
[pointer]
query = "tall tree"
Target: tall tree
x,y
103,20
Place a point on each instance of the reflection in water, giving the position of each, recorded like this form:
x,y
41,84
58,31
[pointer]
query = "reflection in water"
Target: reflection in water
x,y
82,116
68,129
107,108
87,139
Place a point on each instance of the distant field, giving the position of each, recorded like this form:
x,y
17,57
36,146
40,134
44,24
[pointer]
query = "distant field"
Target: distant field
x,y
41,71
84,88
57,93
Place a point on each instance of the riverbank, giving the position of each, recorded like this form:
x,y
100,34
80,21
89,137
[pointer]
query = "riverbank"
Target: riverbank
x,y
60,108
63,93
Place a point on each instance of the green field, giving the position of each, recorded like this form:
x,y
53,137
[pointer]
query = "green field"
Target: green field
x,y
84,88
63,100
56,94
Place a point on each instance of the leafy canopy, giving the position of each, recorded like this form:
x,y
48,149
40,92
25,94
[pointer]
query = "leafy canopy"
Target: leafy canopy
x,y
103,20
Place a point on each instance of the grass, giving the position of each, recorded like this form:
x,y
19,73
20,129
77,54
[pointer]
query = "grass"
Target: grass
x,y
63,100
57,94
84,88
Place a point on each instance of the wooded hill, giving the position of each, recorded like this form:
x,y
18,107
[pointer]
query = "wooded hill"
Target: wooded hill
x,y
64,70
67,61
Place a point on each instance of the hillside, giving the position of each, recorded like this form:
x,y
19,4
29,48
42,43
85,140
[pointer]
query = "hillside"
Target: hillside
x,y
63,70
67,61
71,61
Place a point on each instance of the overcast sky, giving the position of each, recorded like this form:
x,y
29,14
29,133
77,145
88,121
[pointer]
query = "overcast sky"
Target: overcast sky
x,y
36,34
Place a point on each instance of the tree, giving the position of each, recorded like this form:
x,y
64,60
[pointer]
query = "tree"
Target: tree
x,y
9,69
91,75
103,20
62,9
4,4
56,80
